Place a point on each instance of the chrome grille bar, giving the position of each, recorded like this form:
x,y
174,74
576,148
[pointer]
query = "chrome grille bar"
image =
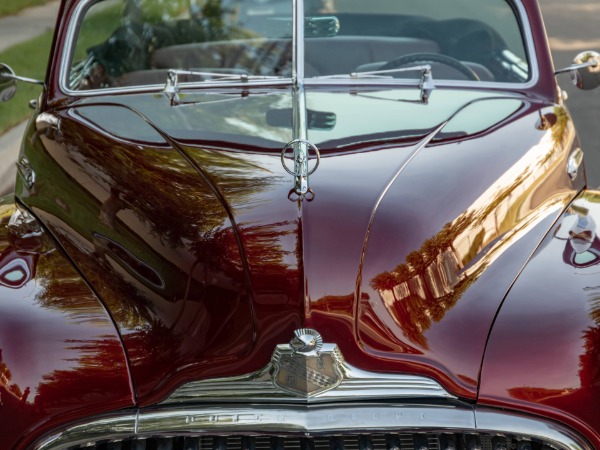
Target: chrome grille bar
x,y
348,426
402,441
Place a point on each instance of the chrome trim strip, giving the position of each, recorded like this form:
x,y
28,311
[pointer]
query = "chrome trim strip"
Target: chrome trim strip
x,y
356,384
387,83
299,67
110,427
300,139
313,420
492,420
68,49
310,421
529,44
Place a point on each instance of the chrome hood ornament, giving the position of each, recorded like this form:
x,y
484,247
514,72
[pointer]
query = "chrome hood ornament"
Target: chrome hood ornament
x,y
300,149
306,341
305,367
307,370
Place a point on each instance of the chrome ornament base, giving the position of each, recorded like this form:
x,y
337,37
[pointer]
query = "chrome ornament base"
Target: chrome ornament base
x,y
309,372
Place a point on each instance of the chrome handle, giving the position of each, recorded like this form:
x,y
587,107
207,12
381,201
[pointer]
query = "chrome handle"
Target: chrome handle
x,y
574,162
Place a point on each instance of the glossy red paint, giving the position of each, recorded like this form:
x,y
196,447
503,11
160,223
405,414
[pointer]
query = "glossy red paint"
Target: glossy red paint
x,y
190,239
550,366
61,357
434,268
180,223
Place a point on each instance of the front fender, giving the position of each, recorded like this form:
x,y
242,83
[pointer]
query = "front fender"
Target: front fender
x,y
543,353
61,357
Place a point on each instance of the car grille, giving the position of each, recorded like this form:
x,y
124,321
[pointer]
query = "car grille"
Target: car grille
x,y
388,441
344,426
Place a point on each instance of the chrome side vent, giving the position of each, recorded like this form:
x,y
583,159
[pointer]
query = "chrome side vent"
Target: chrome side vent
x,y
388,441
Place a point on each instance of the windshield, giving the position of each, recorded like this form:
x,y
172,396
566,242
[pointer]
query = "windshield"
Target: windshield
x,y
122,43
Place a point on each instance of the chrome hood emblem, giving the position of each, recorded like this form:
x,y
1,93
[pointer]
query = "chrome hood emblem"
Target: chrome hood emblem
x,y
307,342
307,370
306,367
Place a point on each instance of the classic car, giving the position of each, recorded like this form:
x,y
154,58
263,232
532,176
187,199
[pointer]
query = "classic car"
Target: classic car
x,y
334,224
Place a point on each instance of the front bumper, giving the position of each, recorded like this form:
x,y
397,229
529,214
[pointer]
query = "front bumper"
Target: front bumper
x,y
361,426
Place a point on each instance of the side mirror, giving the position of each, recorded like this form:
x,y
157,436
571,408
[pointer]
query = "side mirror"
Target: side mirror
x,y
8,83
585,71
587,77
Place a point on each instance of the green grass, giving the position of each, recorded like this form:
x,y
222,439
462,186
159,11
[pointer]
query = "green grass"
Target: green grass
x,y
8,7
29,59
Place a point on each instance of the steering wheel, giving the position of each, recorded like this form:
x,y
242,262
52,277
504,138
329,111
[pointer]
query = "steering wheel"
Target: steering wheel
x,y
431,57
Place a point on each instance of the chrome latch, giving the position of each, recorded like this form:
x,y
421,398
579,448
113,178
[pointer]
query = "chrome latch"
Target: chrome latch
x,y
26,172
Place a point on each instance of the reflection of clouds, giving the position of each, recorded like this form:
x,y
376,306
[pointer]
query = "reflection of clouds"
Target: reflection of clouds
x,y
558,44
253,129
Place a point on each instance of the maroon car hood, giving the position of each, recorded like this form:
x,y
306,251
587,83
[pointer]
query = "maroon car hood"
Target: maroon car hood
x,y
422,217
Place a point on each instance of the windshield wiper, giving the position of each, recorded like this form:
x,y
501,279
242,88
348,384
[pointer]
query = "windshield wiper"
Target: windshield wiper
x,y
426,83
172,85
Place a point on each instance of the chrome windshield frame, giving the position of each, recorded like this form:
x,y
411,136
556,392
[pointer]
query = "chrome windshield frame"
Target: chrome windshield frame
x,y
67,56
527,35
298,64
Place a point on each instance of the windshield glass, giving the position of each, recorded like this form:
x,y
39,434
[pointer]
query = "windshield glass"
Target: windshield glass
x,y
477,40
122,43
135,42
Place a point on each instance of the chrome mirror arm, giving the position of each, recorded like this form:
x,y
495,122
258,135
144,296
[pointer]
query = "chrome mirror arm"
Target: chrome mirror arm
x,y
8,85
23,79
576,67
8,73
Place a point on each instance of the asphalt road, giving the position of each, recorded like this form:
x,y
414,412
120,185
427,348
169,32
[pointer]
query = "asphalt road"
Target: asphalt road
x,y
573,26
